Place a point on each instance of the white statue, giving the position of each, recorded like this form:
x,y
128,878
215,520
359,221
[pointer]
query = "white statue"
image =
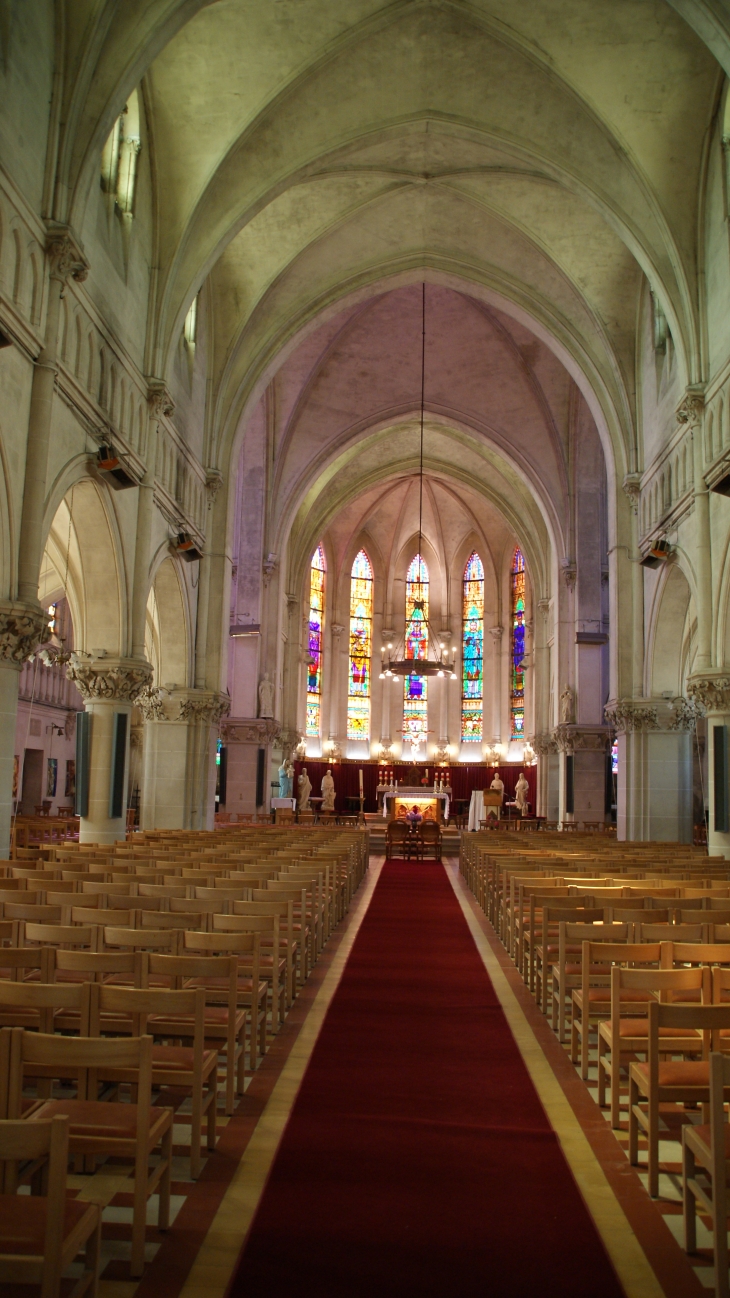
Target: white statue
x,y
497,785
566,706
266,697
328,792
285,780
522,789
305,790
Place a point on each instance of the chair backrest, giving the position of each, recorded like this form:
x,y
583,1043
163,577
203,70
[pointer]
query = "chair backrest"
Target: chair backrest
x,y
36,914
23,1142
139,1003
137,939
709,953
166,919
61,935
95,965
665,983
75,1056
712,1019
668,932
46,998
22,961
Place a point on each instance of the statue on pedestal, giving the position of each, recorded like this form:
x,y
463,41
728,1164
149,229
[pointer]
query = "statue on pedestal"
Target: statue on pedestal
x,y
567,706
497,785
266,697
286,773
522,789
328,792
305,790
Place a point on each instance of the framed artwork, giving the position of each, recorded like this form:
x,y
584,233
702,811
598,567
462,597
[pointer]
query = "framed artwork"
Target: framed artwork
x,y
70,779
51,777
16,774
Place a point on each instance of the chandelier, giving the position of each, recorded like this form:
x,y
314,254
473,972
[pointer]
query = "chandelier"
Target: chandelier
x,y
435,662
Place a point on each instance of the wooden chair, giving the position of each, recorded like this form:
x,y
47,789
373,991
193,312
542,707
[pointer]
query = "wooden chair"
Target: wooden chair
x,y
41,1235
624,1036
670,1082
707,1147
45,1007
592,1000
567,967
395,839
193,1069
103,1127
21,963
121,968
225,1023
431,836
251,989
272,964
289,941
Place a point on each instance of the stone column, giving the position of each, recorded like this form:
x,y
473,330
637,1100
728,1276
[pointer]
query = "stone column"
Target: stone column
x,y
202,711
548,776
107,686
21,630
654,793
159,403
710,694
632,491
690,413
587,746
243,737
65,260
386,736
496,633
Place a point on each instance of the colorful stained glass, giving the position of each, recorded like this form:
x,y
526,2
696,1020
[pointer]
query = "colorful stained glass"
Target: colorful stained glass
x,y
517,684
314,644
361,647
415,688
472,686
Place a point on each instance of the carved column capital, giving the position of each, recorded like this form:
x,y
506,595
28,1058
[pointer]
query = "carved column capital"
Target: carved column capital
x,y
250,730
628,715
65,257
337,628
711,691
213,484
543,744
496,632
161,404
269,567
150,703
206,706
23,628
116,679
686,713
632,489
691,409
570,573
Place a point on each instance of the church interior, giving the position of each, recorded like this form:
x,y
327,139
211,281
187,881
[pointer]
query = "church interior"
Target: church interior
x,y
364,648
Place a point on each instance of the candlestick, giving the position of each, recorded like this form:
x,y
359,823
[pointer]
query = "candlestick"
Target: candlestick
x,y
360,782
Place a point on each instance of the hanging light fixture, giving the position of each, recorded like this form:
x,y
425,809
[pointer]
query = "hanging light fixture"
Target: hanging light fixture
x,y
436,661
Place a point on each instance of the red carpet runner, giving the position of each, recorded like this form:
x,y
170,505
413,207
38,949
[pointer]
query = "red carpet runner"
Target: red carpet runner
x,y
418,1159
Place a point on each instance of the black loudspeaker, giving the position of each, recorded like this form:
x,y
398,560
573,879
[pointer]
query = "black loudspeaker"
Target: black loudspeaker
x,y
119,755
569,784
720,772
222,776
83,749
260,772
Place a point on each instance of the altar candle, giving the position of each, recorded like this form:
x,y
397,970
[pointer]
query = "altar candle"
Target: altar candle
x,y
361,783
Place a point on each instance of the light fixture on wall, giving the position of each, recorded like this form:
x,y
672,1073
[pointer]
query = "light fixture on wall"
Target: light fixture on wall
x,y
113,470
436,662
658,553
186,547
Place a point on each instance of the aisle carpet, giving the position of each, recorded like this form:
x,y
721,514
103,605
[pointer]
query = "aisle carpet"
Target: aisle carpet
x,y
417,1158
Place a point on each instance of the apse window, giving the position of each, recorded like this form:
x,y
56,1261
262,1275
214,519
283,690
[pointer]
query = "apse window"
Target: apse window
x,y
415,687
472,691
361,648
517,683
314,644
120,156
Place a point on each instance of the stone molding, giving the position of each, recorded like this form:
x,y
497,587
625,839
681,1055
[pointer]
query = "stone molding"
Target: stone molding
x,y
206,706
691,409
250,730
686,713
115,679
543,743
628,715
569,570
712,692
150,703
632,490
159,400
23,628
573,738
65,258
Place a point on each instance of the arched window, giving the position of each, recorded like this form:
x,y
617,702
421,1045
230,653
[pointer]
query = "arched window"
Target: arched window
x,y
517,683
472,680
314,644
415,691
361,647
119,157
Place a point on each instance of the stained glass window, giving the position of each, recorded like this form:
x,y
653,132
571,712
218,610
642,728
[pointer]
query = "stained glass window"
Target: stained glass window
x,y
361,644
472,680
517,683
314,645
415,690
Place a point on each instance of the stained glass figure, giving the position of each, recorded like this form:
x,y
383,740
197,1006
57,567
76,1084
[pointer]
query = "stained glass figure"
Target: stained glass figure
x,y
517,683
314,644
415,688
361,645
472,681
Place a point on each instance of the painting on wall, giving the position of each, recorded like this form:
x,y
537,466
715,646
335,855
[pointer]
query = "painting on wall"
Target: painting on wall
x,y
16,774
51,777
70,791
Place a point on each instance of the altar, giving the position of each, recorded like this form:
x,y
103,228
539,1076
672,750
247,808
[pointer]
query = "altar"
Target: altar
x,y
399,801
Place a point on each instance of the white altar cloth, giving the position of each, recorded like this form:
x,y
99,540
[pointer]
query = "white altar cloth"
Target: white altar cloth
x,y
419,791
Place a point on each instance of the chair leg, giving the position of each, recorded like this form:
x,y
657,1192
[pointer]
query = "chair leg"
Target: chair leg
x,y
688,1200
633,1122
719,1225
653,1139
163,1215
584,1041
615,1092
195,1121
212,1132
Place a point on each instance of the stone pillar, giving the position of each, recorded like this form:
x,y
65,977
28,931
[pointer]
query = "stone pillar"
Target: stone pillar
x,y
710,694
654,783
243,737
21,630
202,711
108,686
65,260
690,413
496,633
548,767
159,403
587,746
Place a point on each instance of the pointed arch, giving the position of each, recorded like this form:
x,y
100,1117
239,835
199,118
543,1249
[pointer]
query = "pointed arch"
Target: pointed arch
x,y
359,675
472,651
315,629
